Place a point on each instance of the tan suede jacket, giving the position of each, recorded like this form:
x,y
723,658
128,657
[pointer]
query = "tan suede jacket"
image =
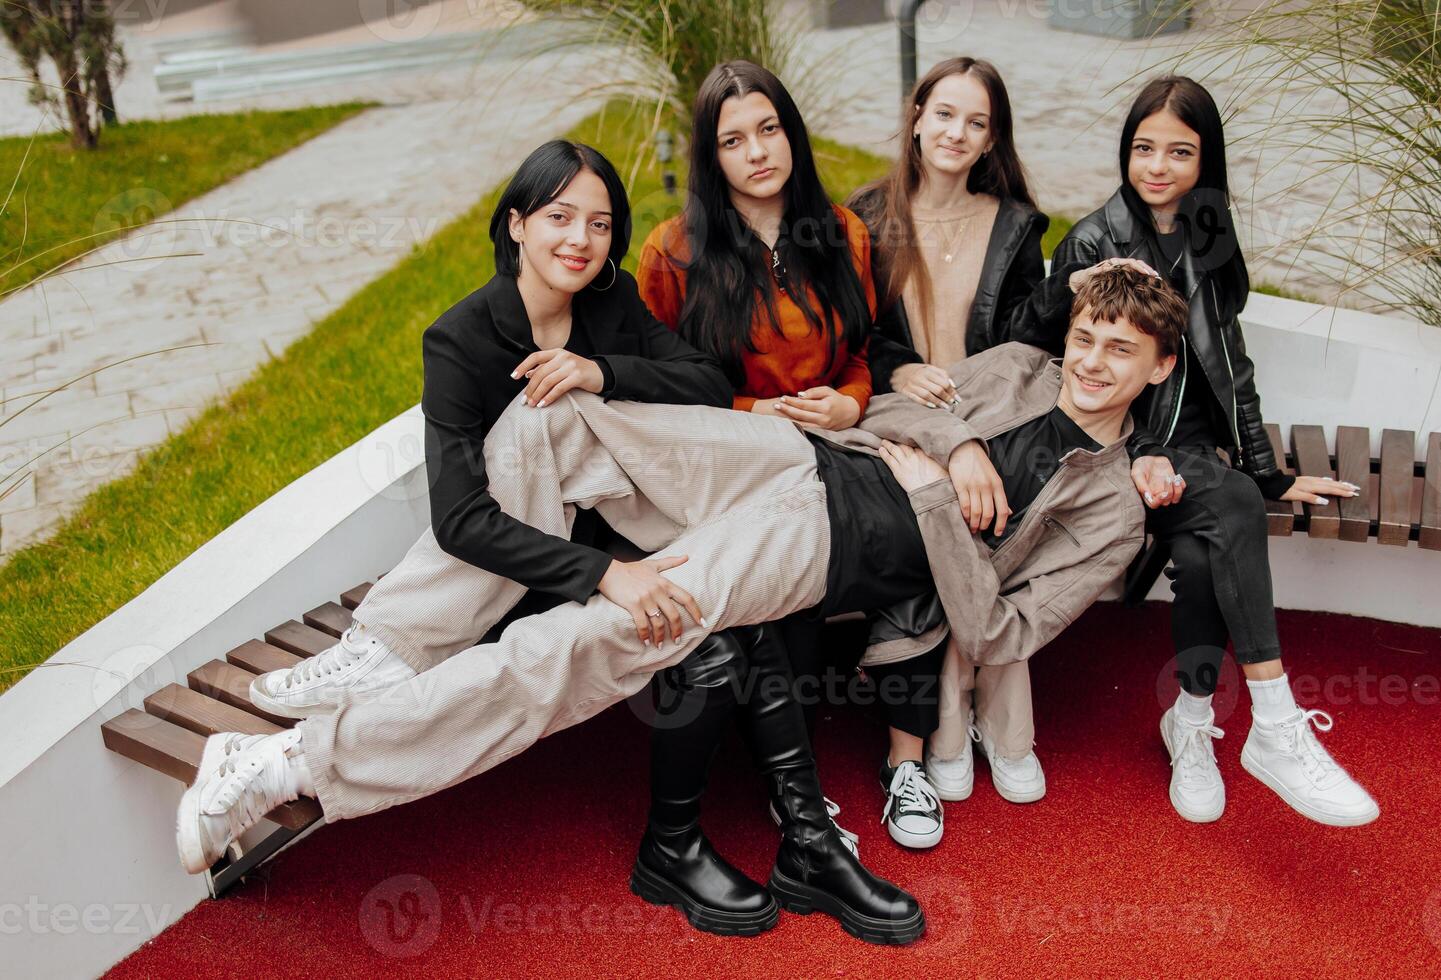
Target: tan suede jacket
x,y
1077,537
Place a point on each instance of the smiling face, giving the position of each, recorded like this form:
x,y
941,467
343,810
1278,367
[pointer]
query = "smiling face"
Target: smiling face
x,y
565,242
1165,160
953,128
1106,365
752,148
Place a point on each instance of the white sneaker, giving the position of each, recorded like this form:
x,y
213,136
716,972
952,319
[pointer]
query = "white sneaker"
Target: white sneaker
x,y
954,779
912,813
833,809
230,798
358,665
220,747
1197,792
1017,780
1289,758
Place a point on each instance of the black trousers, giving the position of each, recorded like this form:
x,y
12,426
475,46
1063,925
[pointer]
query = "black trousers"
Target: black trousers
x,y
909,691
1220,572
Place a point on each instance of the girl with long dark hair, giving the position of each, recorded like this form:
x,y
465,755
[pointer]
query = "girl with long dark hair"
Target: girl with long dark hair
x,y
956,244
765,274
1172,217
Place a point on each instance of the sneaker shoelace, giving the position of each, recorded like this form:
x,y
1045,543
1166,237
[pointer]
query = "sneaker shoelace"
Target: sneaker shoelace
x,y
910,792
327,662
833,810
1298,738
1195,755
253,783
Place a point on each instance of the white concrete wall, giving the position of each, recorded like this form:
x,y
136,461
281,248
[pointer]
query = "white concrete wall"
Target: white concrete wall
x,y
88,869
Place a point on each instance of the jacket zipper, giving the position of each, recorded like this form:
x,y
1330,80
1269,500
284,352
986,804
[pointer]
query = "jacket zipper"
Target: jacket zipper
x,y
1231,373
1051,522
1034,511
1180,395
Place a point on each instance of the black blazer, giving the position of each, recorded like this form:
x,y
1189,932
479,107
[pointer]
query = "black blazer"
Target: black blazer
x,y
1213,330
469,353
1009,273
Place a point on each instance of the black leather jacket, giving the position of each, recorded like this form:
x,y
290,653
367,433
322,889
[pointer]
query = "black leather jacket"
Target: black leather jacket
x,y
1010,272
1213,331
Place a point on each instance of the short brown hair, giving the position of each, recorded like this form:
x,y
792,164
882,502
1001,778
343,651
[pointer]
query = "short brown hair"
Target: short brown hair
x,y
1146,302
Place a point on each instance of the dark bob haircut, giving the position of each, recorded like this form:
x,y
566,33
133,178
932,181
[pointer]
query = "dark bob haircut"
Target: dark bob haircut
x,y
543,175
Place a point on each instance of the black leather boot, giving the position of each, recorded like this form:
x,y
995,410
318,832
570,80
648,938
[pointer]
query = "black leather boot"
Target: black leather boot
x,y
676,864
815,871
814,868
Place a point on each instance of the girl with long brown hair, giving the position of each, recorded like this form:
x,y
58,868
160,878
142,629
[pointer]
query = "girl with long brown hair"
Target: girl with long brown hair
x,y
957,252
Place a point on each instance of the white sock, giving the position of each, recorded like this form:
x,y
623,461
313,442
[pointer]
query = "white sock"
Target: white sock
x,y
1196,710
1271,701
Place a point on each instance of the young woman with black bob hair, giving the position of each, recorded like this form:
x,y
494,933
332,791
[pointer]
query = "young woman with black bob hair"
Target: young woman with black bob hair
x,y
558,315
764,273
1172,217
956,243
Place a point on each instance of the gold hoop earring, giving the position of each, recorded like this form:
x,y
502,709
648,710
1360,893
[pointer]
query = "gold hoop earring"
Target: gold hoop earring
x,y
614,274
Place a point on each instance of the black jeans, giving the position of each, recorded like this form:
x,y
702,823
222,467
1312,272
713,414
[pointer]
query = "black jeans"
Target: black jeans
x,y
1220,573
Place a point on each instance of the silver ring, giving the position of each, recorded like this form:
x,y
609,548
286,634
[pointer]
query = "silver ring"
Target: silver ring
x,y
654,615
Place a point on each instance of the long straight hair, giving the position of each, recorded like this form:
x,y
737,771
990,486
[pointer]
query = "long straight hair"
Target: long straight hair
x,y
886,203
1205,212
727,274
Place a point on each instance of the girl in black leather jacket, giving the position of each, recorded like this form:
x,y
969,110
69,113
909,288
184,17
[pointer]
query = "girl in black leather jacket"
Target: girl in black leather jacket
x,y
1171,216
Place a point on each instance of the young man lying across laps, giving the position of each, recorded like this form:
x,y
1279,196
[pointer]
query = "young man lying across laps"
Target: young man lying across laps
x,y
755,519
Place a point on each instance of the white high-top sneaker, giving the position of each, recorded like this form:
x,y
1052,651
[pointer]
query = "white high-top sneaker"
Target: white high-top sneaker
x,y
1288,757
954,779
1197,792
359,665
229,798
1017,780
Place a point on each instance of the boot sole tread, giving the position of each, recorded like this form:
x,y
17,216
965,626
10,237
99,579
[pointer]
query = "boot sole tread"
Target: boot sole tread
x,y
803,899
653,888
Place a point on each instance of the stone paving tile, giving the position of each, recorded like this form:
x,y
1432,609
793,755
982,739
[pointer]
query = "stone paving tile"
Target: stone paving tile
x,y
197,390
22,497
23,527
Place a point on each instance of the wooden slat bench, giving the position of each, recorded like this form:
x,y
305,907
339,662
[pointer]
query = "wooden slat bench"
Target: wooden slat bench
x,y
1399,502
170,733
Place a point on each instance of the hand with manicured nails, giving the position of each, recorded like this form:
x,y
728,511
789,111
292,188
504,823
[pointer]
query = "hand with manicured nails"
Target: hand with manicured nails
x,y
554,372
1080,276
821,407
653,601
978,487
924,383
1157,481
912,468
1308,489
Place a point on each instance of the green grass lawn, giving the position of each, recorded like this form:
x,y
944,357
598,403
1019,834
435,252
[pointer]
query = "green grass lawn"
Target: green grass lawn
x,y
358,368
64,202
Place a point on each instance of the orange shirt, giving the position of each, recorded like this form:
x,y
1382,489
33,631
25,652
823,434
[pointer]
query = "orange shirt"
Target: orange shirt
x,y
781,365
